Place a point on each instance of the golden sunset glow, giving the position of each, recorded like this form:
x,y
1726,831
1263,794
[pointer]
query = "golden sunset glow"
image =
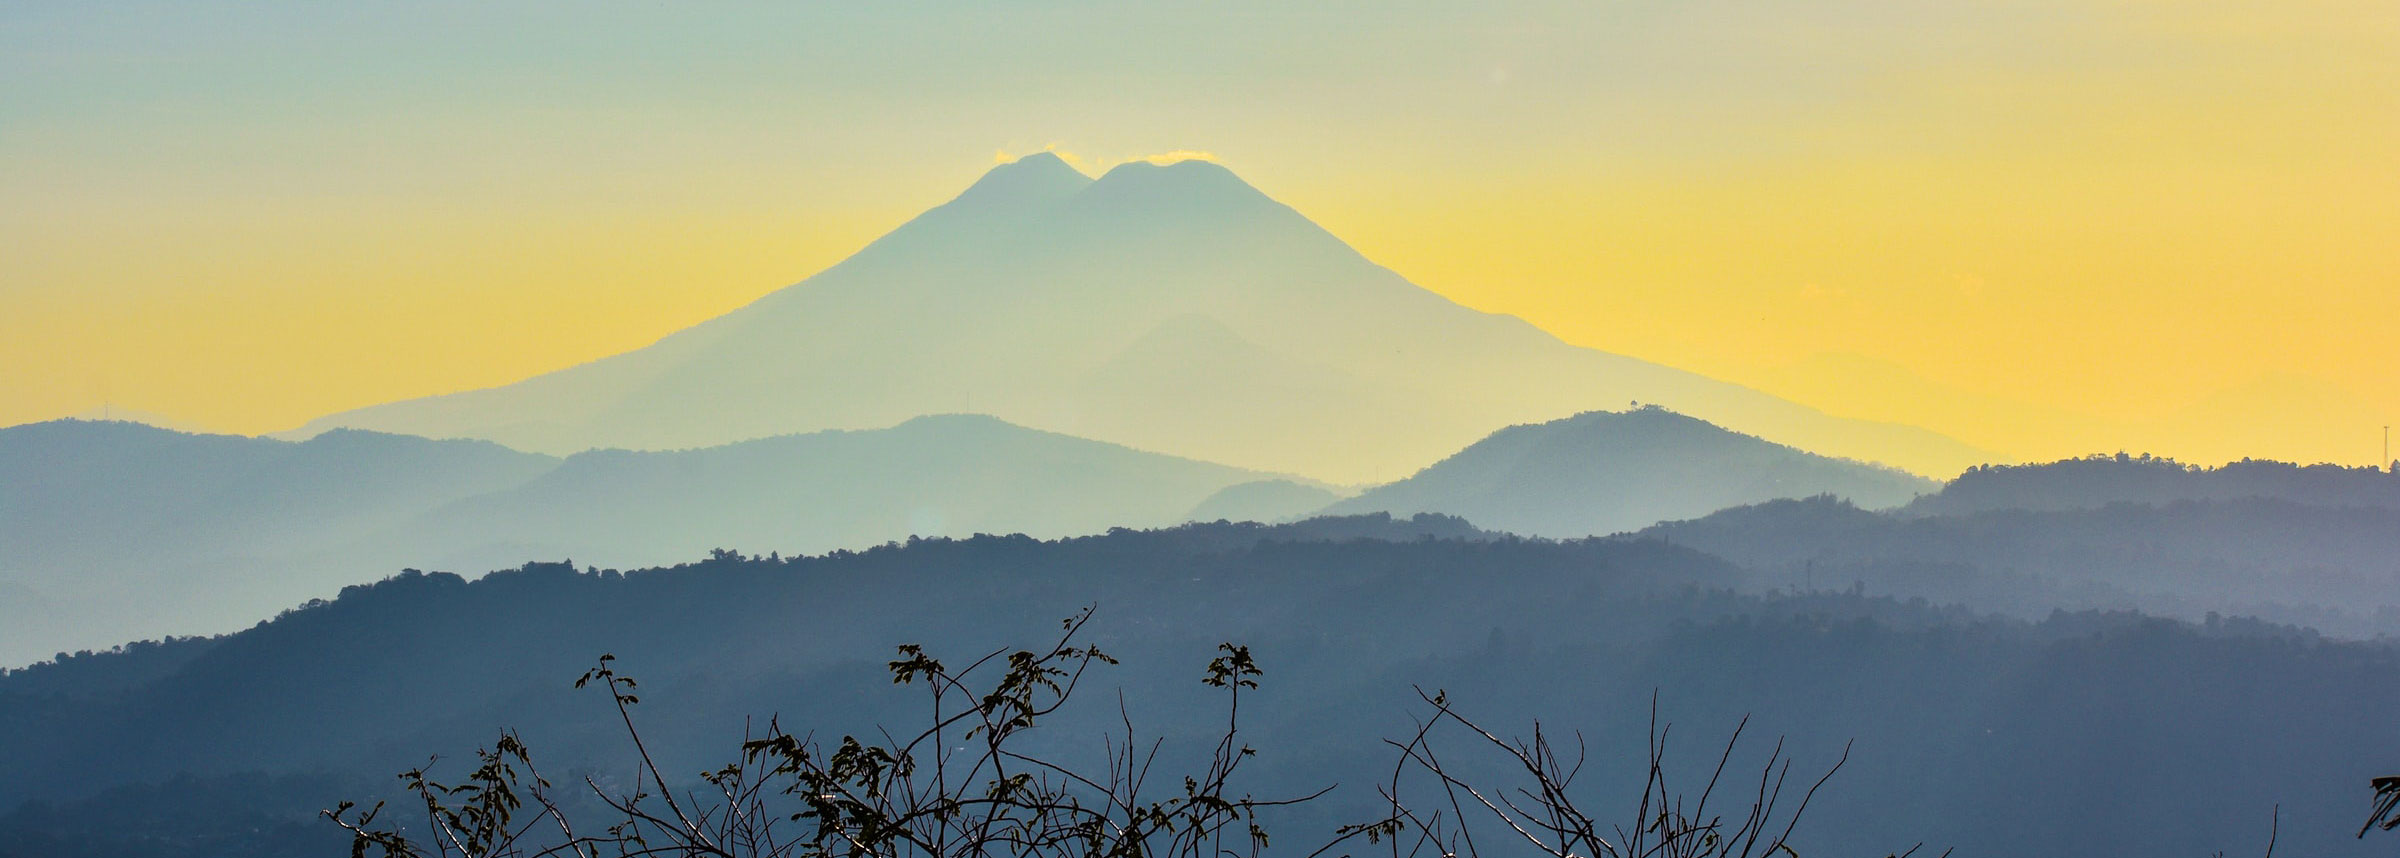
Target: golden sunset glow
x,y
2043,228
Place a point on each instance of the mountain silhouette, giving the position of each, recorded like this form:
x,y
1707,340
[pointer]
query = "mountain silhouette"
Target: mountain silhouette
x,y
1605,472
117,492
2097,481
944,475
2289,561
1168,307
1267,501
115,531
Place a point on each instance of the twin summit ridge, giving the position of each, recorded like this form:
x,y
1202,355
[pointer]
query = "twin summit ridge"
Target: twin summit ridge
x,y
1167,307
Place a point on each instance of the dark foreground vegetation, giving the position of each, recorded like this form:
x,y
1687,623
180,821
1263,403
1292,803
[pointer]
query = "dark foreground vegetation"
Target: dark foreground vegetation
x,y
962,786
2087,733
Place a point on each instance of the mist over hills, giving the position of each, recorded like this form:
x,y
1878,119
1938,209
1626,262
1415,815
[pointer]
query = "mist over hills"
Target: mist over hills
x,y
118,531
1826,620
111,532
2113,732
950,475
2315,545
2328,568
114,531
1603,472
2004,634
82,487
1267,501
1170,308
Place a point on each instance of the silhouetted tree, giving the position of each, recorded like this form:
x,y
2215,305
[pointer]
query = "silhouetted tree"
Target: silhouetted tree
x,y
960,787
1537,810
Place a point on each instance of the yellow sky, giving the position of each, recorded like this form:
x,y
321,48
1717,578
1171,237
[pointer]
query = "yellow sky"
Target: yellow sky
x,y
2043,227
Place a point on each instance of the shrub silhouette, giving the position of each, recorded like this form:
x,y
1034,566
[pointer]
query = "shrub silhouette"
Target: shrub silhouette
x,y
960,787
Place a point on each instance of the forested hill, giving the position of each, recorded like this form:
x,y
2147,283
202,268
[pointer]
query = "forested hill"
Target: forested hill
x,y
2325,567
2111,733
2097,481
88,673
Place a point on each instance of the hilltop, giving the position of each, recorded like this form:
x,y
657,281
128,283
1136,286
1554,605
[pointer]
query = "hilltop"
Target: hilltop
x,y
1602,472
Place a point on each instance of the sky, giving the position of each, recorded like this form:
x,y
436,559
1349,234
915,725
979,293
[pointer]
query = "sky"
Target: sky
x,y
2044,227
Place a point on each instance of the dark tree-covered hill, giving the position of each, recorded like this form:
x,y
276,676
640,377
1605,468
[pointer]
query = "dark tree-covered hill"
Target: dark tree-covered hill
x,y
2331,568
2083,733
2098,481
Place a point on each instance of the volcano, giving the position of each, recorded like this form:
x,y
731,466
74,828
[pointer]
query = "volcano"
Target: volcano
x,y
1166,307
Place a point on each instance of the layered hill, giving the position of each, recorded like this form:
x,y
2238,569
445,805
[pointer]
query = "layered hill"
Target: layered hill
x,y
1264,501
1171,308
2329,567
948,475
118,491
111,532
2097,481
1603,472
2106,734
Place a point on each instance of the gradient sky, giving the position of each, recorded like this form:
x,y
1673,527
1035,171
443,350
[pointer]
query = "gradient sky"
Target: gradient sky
x,y
2041,226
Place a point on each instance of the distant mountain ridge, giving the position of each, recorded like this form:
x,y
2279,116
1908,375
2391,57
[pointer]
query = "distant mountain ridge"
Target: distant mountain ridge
x,y
944,475
115,531
1267,501
1171,307
111,532
2328,568
119,492
1604,472
2095,481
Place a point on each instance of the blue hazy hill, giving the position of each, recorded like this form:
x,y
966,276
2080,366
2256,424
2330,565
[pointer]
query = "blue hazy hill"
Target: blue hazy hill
x,y
1267,501
111,532
1603,472
946,475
